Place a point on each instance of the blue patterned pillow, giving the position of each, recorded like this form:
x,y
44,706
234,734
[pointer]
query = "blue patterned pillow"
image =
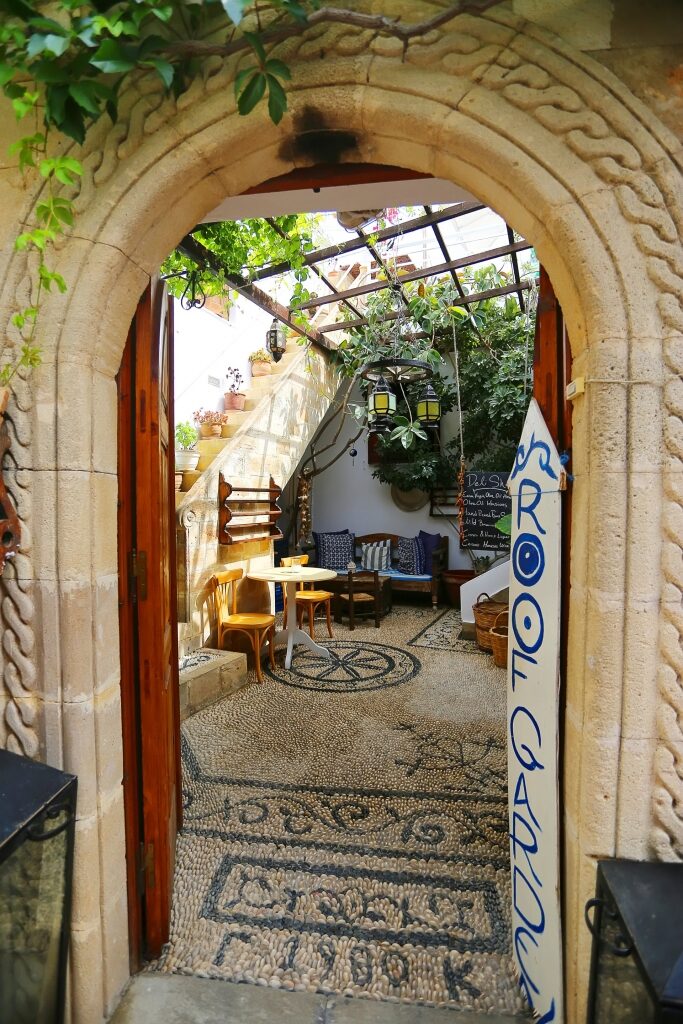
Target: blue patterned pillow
x,y
316,540
335,550
411,556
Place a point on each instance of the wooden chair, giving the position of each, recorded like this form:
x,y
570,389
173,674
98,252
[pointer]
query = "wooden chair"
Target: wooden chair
x,y
356,599
308,598
257,625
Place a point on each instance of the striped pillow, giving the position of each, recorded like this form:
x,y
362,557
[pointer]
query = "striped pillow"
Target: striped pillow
x,y
376,555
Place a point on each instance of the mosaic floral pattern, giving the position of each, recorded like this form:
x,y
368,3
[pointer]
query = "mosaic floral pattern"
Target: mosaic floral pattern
x,y
351,667
347,838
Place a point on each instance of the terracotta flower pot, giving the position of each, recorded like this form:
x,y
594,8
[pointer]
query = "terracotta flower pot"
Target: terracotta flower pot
x,y
260,369
210,430
225,430
178,481
234,400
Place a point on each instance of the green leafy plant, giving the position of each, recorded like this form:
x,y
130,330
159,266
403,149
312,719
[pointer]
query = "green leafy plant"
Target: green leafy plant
x,y
185,436
235,380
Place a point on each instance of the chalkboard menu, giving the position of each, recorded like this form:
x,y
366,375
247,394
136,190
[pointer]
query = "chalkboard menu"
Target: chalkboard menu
x,y
485,500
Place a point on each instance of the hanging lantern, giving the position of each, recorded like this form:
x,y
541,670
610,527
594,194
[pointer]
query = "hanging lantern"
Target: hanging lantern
x,y
429,407
276,340
381,407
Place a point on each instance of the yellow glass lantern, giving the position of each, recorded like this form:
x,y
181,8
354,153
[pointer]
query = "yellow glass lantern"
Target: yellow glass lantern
x,y
381,406
429,407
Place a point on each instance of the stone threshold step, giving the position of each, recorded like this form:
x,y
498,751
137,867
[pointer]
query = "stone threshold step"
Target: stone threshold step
x,y
179,999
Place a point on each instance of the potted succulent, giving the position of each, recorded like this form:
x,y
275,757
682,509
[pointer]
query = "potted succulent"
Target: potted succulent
x,y
261,362
210,422
234,398
186,454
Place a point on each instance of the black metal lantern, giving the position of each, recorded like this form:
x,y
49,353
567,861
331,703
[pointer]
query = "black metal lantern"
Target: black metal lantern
x,y
429,407
276,340
37,825
637,927
381,407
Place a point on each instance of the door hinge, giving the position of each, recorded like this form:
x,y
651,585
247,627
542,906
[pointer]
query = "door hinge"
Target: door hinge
x,y
146,876
137,574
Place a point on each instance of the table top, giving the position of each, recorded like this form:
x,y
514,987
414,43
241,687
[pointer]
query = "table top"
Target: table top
x,y
297,574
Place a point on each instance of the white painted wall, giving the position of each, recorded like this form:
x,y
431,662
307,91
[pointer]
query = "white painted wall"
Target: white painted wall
x,y
205,346
347,497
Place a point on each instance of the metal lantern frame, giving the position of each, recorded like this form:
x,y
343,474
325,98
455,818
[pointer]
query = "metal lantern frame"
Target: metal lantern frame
x,y
276,340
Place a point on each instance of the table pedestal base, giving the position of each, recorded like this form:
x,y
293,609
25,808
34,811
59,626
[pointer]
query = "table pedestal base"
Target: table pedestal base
x,y
298,636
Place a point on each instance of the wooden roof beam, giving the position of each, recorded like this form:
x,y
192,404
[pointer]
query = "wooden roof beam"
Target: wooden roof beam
x,y
203,257
418,275
354,244
491,293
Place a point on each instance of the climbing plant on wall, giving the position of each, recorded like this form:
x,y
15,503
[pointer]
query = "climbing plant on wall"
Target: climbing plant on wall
x,y
63,66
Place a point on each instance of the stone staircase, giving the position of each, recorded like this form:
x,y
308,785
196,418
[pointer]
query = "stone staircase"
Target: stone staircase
x,y
268,438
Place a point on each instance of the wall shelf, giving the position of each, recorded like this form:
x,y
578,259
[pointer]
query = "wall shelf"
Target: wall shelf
x,y
248,513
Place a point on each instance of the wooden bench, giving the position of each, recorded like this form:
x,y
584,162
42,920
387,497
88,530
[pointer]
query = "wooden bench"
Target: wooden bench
x,y
426,584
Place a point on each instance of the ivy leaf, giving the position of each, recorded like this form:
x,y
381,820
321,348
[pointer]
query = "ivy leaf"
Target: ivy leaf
x,y
163,68
279,68
252,93
83,95
6,74
256,45
277,99
234,10
112,58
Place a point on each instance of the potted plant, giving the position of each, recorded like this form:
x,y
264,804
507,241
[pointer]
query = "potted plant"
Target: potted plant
x,y
261,362
186,454
210,422
234,398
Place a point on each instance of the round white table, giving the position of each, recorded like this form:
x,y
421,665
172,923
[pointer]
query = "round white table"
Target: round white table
x,y
291,634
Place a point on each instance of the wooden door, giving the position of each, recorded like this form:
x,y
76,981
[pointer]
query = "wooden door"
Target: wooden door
x,y
149,653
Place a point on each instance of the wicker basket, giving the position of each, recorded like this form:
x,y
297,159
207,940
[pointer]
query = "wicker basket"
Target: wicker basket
x,y
499,639
485,612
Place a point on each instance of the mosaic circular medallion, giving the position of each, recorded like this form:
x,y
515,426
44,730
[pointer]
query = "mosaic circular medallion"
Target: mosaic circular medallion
x,y
351,667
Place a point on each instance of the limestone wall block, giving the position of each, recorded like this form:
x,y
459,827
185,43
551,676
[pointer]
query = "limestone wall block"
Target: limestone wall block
x,y
415,117
74,415
105,524
51,736
166,220
107,711
74,525
604,665
106,632
641,660
644,550
386,76
608,440
44,561
607,529
634,812
78,725
578,231
576,654
384,149
86,969
581,546
105,425
75,628
115,961
599,790
112,852
645,433
48,645
573,745
87,890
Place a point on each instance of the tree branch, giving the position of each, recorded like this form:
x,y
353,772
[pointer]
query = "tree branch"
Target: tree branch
x,y
374,22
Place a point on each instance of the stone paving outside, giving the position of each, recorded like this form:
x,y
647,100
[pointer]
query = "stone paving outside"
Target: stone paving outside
x,y
345,824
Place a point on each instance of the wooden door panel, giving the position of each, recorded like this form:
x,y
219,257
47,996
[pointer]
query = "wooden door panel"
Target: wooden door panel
x,y
153,713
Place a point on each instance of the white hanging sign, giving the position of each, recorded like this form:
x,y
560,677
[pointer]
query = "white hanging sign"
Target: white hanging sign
x,y
533,687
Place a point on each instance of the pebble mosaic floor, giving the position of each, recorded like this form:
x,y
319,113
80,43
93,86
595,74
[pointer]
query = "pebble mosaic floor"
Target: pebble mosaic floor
x,y
345,824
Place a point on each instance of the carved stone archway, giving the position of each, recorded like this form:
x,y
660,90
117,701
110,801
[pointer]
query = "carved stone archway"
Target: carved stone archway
x,y
566,154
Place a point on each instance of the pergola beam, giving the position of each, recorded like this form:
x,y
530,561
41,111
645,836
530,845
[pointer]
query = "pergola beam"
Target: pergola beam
x,y
491,293
196,251
418,275
320,255
515,268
